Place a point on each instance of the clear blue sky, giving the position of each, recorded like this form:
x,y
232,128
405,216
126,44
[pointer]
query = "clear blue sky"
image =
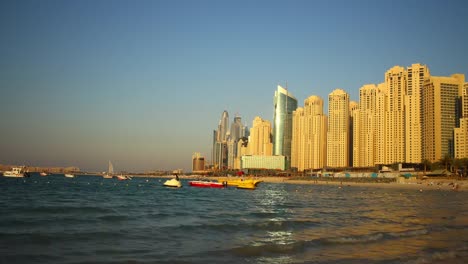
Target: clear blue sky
x,y
144,83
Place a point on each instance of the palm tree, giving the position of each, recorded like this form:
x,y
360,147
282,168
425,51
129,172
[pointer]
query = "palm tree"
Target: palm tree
x,y
457,163
426,163
446,161
464,165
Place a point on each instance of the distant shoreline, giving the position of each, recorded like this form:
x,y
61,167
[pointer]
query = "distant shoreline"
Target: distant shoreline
x,y
420,185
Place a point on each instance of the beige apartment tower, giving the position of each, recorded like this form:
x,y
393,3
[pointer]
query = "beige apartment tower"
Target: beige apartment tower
x,y
338,129
415,75
364,147
395,82
461,132
309,144
260,142
439,98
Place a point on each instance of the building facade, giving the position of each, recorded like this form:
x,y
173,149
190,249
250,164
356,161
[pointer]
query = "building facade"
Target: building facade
x,y
263,162
338,129
284,104
309,138
439,117
198,162
260,138
395,116
415,75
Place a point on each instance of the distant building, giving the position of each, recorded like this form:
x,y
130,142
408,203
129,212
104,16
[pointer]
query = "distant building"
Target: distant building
x,y
260,138
284,105
198,162
263,162
220,149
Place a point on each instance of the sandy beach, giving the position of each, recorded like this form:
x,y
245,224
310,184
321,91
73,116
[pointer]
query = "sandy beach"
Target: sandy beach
x,y
421,185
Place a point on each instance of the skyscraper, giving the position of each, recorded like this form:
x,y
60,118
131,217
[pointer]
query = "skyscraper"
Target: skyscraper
x,y
309,140
353,125
220,149
198,162
284,104
365,121
440,112
395,82
338,129
415,75
223,126
260,138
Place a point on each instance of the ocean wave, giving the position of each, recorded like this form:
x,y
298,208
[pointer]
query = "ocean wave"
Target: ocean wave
x,y
456,256
368,238
255,226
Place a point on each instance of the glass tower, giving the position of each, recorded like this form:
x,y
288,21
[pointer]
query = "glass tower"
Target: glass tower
x,y
285,103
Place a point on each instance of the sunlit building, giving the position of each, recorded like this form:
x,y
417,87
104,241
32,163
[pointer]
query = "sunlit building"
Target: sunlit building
x,y
395,115
198,162
220,149
237,131
414,75
353,125
284,104
338,129
263,162
309,136
260,138
440,113
461,132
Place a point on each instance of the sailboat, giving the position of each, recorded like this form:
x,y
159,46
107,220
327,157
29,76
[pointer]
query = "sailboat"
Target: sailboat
x,y
110,171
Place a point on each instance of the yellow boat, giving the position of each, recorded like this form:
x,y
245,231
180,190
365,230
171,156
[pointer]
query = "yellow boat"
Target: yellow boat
x,y
246,185
239,181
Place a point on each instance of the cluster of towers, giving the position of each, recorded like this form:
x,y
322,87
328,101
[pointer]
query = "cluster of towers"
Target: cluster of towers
x,y
225,141
410,117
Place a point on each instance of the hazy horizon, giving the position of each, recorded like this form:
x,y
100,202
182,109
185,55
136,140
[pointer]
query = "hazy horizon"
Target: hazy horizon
x,y
144,83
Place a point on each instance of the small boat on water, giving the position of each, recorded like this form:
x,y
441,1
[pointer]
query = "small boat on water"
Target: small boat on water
x,y
16,172
247,185
123,177
68,175
239,181
110,171
175,183
43,173
207,184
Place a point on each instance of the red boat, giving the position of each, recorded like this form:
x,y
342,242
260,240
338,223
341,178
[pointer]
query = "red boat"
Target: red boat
x,y
207,184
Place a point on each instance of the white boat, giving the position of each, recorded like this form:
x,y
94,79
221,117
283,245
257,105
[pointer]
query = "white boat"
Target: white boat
x,y
110,171
43,173
16,172
69,175
123,177
175,182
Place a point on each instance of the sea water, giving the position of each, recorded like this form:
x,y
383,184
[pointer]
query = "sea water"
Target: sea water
x,y
89,219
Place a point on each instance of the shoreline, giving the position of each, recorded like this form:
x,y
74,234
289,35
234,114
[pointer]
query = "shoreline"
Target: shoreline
x,y
421,185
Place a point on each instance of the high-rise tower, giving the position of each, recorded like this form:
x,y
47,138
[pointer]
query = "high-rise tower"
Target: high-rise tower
x,y
223,126
395,80
439,117
220,149
415,75
338,129
260,138
309,141
284,104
